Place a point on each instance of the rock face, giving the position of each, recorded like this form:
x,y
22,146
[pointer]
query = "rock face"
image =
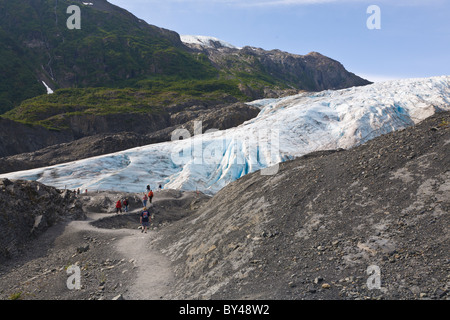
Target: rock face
x,y
220,117
313,230
318,71
30,208
88,125
310,72
19,138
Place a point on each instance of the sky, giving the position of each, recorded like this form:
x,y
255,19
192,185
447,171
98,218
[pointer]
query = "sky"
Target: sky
x,y
406,38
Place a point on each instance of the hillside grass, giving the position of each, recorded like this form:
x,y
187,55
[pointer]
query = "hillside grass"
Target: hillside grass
x,y
152,96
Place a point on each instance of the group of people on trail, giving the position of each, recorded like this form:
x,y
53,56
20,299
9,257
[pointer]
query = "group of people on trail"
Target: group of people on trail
x,y
145,213
78,191
147,197
122,204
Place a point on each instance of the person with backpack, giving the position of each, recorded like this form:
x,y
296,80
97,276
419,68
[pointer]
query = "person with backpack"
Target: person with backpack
x,y
145,220
118,206
150,195
125,204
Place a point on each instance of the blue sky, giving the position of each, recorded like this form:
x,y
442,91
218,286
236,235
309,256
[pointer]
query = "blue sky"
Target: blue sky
x,y
414,39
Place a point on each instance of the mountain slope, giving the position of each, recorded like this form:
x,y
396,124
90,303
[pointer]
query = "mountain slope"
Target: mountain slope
x,y
15,75
275,68
113,48
284,129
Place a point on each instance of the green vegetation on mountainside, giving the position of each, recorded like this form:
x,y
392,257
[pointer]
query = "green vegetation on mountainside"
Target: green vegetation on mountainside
x,y
52,111
15,74
112,49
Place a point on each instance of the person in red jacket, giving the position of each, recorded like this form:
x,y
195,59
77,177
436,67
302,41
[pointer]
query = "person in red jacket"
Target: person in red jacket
x,y
118,206
150,195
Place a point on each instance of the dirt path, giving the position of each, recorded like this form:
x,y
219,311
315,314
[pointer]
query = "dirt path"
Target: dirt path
x,y
118,262
152,269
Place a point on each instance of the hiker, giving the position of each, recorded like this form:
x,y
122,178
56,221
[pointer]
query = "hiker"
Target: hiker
x,y
160,187
150,195
118,207
148,188
144,200
145,220
125,204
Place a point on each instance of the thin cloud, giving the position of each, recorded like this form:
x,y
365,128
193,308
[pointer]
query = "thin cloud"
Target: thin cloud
x,y
269,3
259,3
282,3
274,3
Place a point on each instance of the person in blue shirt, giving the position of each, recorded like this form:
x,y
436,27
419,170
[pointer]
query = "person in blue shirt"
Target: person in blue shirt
x,y
145,220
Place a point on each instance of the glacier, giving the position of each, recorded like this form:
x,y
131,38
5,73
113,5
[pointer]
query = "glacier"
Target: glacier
x,y
285,128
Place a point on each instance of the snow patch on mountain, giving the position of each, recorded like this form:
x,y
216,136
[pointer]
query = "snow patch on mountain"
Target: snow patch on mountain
x,y
206,41
285,128
49,90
